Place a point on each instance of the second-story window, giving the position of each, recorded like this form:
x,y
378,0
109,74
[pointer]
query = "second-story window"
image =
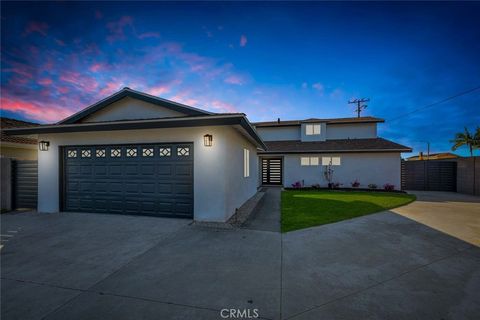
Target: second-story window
x,y
312,129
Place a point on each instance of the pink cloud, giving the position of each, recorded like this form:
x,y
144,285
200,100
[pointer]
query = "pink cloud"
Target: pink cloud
x,y
45,81
83,82
234,79
149,35
223,106
158,90
318,86
63,90
116,28
98,14
34,110
110,88
243,40
96,67
34,26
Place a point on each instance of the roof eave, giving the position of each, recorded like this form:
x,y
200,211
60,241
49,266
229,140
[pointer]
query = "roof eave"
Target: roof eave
x,y
335,151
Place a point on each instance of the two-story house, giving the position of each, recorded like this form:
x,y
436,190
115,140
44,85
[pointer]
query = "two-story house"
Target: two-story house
x,y
302,150
133,153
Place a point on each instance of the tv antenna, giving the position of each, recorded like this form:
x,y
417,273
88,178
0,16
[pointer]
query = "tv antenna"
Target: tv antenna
x,y
360,105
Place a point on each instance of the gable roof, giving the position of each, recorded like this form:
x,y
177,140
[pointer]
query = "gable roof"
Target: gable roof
x,y
337,145
310,120
6,123
127,92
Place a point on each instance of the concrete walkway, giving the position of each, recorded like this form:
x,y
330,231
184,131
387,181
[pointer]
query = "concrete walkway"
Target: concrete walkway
x,y
453,213
267,216
94,266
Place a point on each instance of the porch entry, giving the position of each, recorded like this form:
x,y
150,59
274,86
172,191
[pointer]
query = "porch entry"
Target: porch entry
x,y
272,171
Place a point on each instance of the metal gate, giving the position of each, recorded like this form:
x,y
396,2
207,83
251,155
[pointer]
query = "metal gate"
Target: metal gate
x,y
143,179
429,175
24,184
272,171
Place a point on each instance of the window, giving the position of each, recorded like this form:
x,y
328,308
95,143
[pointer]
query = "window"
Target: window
x,y
86,153
185,151
72,153
115,153
131,152
334,161
309,161
147,152
246,163
312,129
100,153
165,152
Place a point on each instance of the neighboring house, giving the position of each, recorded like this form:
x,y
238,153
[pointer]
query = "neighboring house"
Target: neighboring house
x,y
301,150
434,156
20,148
134,153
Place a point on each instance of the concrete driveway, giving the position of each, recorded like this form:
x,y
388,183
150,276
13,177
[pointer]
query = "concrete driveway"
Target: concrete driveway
x,y
453,213
93,266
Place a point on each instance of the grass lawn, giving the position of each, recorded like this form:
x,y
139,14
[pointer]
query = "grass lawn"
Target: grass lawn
x,y
303,209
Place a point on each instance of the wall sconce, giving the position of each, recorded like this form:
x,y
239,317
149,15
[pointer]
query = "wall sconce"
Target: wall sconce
x,y
43,145
207,140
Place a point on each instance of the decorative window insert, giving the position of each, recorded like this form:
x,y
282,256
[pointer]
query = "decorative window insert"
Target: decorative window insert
x,y
309,161
165,152
147,152
312,129
183,151
100,153
72,153
246,163
87,153
116,152
131,152
334,161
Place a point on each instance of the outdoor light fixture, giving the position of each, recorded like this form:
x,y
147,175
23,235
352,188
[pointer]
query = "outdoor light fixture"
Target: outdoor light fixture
x,y
207,140
43,145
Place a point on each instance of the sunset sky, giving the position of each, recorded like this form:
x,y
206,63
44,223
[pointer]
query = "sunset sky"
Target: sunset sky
x,y
268,60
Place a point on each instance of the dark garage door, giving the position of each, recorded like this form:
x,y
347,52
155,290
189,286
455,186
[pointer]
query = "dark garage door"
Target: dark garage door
x,y
150,179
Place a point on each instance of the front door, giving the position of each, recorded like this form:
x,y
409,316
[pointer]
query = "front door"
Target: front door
x,y
272,171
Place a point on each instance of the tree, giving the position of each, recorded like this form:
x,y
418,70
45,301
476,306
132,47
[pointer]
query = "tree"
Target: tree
x,y
466,139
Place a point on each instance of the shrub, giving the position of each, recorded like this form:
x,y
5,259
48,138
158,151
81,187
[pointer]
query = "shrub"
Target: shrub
x,y
355,184
372,186
334,185
297,185
316,186
388,187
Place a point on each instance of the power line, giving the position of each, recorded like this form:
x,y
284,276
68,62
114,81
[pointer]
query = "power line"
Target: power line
x,y
435,103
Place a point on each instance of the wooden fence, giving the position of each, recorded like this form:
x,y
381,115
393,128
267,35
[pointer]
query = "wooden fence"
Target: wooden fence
x,y
468,175
429,175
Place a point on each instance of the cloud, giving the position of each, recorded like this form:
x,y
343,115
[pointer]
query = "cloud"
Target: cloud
x,y
304,85
223,106
45,81
98,14
159,90
34,110
38,27
146,35
243,41
96,67
234,79
116,28
319,87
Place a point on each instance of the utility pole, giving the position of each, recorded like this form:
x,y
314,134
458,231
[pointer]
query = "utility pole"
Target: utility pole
x,y
360,105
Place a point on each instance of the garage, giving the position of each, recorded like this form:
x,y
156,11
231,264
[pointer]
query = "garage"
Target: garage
x,y
139,179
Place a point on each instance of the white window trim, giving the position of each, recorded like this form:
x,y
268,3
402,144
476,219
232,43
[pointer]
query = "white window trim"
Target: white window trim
x,y
334,161
246,163
313,129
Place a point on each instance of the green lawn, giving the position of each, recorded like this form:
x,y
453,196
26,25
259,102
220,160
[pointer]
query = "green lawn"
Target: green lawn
x,y
303,209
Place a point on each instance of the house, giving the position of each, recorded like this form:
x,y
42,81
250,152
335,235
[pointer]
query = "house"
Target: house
x,y
434,156
15,147
133,153
301,151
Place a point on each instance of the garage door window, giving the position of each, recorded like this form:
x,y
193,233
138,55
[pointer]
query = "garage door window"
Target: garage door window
x,y
72,153
147,152
116,153
86,153
184,151
131,152
100,153
165,152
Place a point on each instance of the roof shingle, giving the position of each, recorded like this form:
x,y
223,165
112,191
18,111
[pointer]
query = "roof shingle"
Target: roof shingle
x,y
329,121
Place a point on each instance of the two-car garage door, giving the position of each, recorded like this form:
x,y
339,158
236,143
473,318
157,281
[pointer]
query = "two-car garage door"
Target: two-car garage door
x,y
146,179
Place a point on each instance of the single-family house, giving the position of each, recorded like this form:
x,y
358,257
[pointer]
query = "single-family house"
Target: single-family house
x,y
133,153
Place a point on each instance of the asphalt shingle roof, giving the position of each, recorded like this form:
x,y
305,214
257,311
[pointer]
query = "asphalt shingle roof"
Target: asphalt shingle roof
x,y
329,121
14,123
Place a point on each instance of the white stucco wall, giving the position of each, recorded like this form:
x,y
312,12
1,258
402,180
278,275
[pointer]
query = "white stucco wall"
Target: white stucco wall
x,y
279,133
131,109
219,185
352,131
378,168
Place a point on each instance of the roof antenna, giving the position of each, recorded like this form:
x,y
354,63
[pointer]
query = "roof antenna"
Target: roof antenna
x,y
360,106
278,120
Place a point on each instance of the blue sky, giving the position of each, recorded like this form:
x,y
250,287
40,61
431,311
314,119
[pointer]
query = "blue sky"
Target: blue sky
x,y
268,60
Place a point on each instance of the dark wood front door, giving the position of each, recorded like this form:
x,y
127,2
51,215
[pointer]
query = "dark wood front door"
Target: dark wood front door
x,y
272,170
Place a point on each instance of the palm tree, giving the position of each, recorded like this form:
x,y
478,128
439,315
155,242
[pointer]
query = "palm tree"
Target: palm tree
x,y
466,139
